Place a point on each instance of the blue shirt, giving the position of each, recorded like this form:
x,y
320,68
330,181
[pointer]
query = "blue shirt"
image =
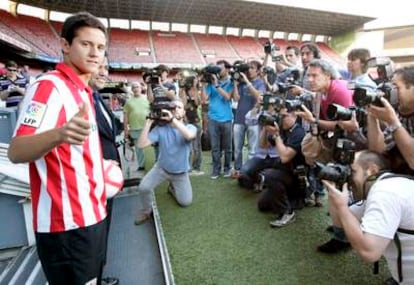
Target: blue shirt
x,y
247,100
174,149
219,108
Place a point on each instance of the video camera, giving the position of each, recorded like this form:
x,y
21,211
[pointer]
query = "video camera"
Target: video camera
x,y
208,72
237,69
363,97
156,110
152,76
269,47
335,172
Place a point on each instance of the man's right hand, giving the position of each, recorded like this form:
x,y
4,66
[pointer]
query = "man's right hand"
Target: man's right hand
x,y
78,128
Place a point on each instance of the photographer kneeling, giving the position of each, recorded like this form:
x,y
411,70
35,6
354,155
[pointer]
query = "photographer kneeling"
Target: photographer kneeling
x,y
283,189
174,141
387,214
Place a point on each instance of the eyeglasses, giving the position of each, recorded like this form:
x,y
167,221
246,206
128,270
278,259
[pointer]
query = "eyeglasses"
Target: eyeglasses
x,y
12,69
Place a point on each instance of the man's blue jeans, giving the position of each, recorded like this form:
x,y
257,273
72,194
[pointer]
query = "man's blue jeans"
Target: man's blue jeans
x,y
220,138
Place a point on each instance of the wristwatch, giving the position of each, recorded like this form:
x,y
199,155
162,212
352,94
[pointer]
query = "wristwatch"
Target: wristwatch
x,y
395,127
217,86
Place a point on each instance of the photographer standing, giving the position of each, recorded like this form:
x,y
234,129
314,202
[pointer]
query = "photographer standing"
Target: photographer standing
x,y
246,93
190,95
159,88
174,139
136,110
218,93
386,214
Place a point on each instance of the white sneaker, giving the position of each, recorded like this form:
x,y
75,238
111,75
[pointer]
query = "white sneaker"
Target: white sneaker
x,y
283,220
196,172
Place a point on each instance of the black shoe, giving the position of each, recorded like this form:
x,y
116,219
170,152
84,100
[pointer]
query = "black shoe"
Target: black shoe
x,y
334,246
110,281
141,168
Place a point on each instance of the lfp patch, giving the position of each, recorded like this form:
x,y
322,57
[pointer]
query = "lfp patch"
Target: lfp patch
x,y
34,114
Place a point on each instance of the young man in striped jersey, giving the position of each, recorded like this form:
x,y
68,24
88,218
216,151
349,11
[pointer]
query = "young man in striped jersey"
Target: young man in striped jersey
x,y
57,134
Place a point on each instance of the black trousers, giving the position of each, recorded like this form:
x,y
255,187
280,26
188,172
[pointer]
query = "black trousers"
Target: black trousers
x,y
282,191
73,257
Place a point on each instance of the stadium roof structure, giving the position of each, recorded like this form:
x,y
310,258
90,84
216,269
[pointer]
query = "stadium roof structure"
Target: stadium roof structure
x,y
226,13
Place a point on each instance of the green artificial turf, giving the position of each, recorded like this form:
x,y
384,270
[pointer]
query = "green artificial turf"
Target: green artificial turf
x,y
223,239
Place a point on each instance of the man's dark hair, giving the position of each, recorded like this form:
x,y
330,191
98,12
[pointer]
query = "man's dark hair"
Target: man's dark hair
x,y
295,49
362,54
225,62
162,68
367,157
256,63
407,75
11,63
313,48
79,20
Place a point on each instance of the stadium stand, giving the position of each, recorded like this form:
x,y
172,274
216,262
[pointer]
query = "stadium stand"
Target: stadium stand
x,y
246,47
175,48
216,44
125,45
35,31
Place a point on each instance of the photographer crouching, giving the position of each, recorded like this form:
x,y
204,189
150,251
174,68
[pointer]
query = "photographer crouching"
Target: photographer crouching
x,y
386,214
174,138
283,192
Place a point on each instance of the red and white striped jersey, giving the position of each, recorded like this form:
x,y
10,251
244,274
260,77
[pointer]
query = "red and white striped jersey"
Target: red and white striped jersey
x,y
67,183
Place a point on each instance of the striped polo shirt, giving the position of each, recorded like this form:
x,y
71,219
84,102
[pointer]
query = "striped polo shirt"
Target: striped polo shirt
x,y
67,183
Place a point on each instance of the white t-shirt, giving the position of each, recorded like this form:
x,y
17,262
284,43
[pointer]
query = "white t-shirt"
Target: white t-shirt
x,y
389,206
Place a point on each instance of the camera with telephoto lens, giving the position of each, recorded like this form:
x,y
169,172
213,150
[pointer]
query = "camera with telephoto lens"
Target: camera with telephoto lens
x,y
237,69
270,47
335,172
363,96
337,112
208,72
265,119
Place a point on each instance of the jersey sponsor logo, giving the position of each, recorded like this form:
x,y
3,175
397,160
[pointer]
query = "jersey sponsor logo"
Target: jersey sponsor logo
x,y
34,114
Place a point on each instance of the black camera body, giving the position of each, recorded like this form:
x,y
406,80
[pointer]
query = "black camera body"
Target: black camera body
x,y
335,172
152,76
237,69
292,79
344,151
270,98
266,119
293,105
270,47
156,110
208,72
363,97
